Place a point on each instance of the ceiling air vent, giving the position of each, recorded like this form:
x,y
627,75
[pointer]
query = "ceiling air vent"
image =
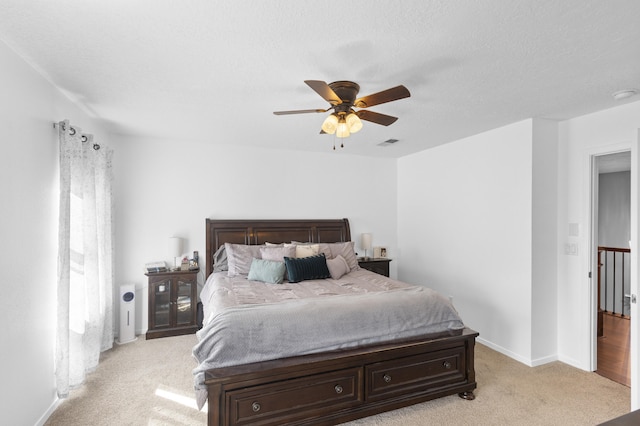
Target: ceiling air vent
x,y
388,142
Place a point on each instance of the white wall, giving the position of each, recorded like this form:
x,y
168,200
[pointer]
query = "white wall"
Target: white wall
x,y
465,229
28,256
606,131
167,188
544,232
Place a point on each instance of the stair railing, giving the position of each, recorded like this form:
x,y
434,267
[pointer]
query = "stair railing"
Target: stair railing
x,y
613,280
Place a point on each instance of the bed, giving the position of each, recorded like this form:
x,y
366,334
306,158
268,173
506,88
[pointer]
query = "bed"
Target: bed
x,y
312,352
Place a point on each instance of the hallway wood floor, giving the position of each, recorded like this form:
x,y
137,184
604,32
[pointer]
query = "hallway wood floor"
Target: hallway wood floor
x,y
613,350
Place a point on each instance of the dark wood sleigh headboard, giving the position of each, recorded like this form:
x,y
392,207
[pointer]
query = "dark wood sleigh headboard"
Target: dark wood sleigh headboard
x,y
256,231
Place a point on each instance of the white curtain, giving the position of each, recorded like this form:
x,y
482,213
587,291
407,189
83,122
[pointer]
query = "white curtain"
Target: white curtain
x,y
85,257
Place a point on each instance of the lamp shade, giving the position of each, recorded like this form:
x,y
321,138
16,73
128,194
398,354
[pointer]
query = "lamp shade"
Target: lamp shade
x,y
354,123
343,129
175,246
365,241
330,124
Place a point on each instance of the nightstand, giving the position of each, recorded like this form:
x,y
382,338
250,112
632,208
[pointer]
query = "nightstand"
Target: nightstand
x,y
173,298
377,265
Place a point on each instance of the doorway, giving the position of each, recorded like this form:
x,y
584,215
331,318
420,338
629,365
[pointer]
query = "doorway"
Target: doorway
x,y
612,231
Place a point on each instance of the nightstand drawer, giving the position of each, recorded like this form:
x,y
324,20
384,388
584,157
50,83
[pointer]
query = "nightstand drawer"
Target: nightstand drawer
x,y
407,375
269,404
379,266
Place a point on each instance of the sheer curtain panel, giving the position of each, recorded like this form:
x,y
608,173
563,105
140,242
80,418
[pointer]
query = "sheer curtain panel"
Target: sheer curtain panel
x,y
85,257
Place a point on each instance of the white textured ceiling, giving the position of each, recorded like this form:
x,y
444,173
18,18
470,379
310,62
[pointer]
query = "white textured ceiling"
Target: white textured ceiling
x,y
215,70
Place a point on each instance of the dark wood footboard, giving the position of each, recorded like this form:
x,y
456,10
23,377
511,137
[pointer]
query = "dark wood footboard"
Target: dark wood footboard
x,y
340,386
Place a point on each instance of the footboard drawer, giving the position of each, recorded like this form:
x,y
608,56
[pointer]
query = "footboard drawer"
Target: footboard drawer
x,y
429,371
271,404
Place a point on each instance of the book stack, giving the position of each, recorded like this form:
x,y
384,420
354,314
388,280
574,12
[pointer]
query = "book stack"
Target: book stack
x,y
155,267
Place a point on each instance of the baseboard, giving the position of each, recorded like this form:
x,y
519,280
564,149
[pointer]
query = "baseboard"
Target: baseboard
x,y
572,362
544,360
526,361
138,332
42,420
504,351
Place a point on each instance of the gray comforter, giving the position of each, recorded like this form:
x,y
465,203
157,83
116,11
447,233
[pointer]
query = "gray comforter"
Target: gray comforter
x,y
249,321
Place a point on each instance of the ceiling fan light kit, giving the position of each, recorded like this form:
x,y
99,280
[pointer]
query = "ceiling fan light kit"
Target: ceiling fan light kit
x,y
342,125
341,95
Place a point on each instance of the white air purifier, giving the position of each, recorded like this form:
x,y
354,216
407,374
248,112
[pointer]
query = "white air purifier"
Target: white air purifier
x,y
127,314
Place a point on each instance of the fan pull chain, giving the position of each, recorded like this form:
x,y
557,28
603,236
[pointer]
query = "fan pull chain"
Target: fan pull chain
x,y
334,142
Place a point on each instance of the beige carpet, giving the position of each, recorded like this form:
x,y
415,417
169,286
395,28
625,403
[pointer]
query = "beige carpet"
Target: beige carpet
x,y
149,382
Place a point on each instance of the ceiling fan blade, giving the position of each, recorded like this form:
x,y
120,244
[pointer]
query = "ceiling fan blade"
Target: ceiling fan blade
x,y
393,94
299,111
376,117
325,91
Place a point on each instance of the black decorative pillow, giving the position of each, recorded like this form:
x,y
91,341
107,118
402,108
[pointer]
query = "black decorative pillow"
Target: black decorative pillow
x,y
307,268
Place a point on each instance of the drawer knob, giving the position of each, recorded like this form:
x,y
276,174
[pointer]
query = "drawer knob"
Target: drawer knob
x,y
387,378
255,407
446,365
338,389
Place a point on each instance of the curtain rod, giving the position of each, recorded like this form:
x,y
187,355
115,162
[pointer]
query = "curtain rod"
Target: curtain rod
x,y
72,131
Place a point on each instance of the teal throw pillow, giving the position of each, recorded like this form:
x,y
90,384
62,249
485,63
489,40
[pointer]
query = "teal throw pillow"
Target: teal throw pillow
x,y
268,271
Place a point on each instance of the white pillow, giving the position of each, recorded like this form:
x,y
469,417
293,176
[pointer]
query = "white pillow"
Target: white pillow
x,y
338,267
305,250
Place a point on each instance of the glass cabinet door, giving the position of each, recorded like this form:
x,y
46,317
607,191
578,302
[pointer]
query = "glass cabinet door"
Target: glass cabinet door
x,y
172,303
183,302
162,303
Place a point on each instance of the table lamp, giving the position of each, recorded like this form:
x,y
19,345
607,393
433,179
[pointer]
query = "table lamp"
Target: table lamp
x,y
365,243
175,250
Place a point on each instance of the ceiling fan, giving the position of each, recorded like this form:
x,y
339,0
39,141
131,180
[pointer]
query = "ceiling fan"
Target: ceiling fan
x,y
344,120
